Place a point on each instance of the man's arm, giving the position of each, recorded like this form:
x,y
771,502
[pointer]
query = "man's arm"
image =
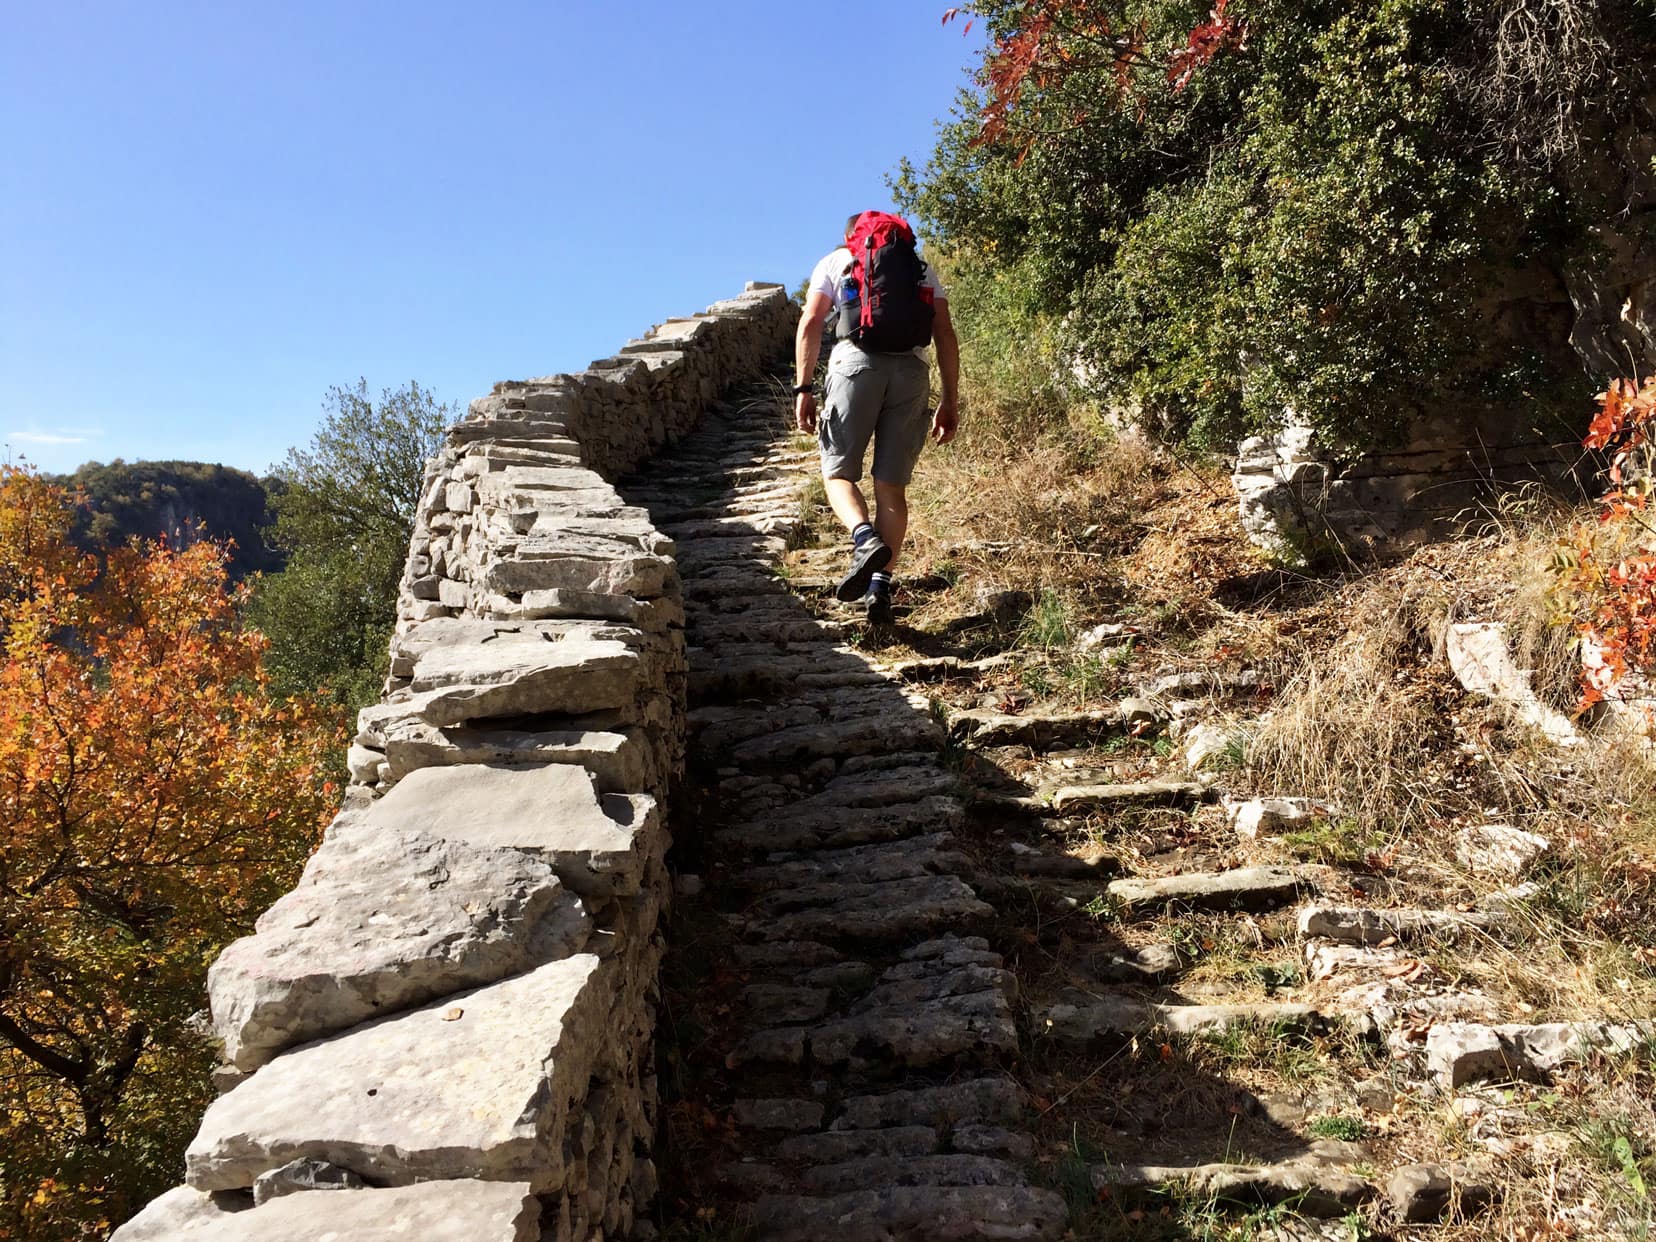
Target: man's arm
x,y
807,344
947,420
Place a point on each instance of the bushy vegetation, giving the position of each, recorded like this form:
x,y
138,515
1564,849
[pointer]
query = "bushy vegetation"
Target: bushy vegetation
x,y
158,796
344,510
1352,212
179,501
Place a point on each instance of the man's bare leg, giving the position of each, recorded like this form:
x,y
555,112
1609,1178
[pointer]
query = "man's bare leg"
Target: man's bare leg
x,y
891,518
845,498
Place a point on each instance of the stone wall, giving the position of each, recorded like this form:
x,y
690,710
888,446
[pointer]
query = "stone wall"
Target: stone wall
x,y
451,1014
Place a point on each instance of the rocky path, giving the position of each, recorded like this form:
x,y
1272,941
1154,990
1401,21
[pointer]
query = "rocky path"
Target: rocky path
x,y
848,1042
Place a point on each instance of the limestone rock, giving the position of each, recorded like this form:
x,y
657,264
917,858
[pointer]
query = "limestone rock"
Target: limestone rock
x,y
525,677
1499,849
1255,817
1317,1184
181,1212
597,844
937,1213
298,1176
477,1085
438,1211
1480,658
1247,888
1111,1017
1460,1052
381,921
616,757
1424,1193
1073,798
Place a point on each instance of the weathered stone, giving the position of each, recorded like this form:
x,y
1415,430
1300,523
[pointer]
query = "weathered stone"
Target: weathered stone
x,y
380,921
181,1212
1316,1184
298,1176
1363,925
1499,849
835,1146
778,1114
476,1085
597,844
617,758
524,677
958,1169
1257,816
1247,888
1074,798
1114,1017
895,908
436,1211
1423,1193
1036,730
1459,1052
1479,655
996,1100
935,1213
771,1002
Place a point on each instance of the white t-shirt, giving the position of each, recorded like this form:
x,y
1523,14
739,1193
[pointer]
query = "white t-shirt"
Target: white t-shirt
x,y
825,279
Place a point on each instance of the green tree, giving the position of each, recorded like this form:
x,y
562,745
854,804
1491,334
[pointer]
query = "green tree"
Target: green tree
x,y
1354,212
343,515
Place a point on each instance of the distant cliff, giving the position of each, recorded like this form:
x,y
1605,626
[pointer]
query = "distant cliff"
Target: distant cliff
x,y
177,500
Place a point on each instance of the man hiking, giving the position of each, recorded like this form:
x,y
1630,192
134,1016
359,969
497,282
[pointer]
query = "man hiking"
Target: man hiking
x,y
889,306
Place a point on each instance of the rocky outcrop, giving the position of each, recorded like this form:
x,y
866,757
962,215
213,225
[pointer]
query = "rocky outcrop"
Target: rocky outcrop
x,y
447,1025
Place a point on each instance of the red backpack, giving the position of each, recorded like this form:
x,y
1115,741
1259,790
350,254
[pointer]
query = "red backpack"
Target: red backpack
x,y
887,307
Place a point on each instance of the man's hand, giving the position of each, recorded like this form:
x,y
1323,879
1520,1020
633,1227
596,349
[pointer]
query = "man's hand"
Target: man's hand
x,y
945,422
805,412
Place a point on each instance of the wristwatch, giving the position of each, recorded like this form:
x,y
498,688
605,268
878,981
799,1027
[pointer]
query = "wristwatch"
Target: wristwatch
x,y
801,389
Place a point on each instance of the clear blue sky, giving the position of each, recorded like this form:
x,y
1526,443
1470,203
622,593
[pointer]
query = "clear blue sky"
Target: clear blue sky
x,y
213,211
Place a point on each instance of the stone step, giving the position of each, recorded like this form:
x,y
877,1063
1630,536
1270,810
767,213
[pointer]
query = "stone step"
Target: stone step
x,y
932,854
1072,799
1369,926
915,1214
1084,1021
837,827
1038,731
1247,888
1320,1183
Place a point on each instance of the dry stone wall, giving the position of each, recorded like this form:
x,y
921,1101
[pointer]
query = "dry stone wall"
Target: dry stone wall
x,y
449,1018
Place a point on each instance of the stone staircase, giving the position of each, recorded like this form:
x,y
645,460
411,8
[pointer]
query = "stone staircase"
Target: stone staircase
x,y
871,1026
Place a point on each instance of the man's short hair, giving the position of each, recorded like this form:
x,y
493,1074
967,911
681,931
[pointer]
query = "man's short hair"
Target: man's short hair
x,y
851,221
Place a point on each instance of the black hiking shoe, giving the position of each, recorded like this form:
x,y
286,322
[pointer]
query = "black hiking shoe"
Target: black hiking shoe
x,y
878,606
867,559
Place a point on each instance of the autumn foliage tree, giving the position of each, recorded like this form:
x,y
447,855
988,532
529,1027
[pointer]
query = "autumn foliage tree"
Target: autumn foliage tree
x,y
154,797
1609,572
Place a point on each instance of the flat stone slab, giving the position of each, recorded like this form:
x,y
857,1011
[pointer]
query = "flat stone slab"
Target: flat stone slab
x,y
478,1085
616,757
524,676
381,921
1144,793
598,844
1461,1052
1039,732
1317,1184
1115,1017
1247,888
983,1099
950,1170
570,561
1368,926
936,1213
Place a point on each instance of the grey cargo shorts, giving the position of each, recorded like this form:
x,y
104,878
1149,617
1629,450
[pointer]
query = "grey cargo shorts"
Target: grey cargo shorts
x,y
883,397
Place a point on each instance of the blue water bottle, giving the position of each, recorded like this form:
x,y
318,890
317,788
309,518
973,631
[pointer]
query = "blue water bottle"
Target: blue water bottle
x,y
850,306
